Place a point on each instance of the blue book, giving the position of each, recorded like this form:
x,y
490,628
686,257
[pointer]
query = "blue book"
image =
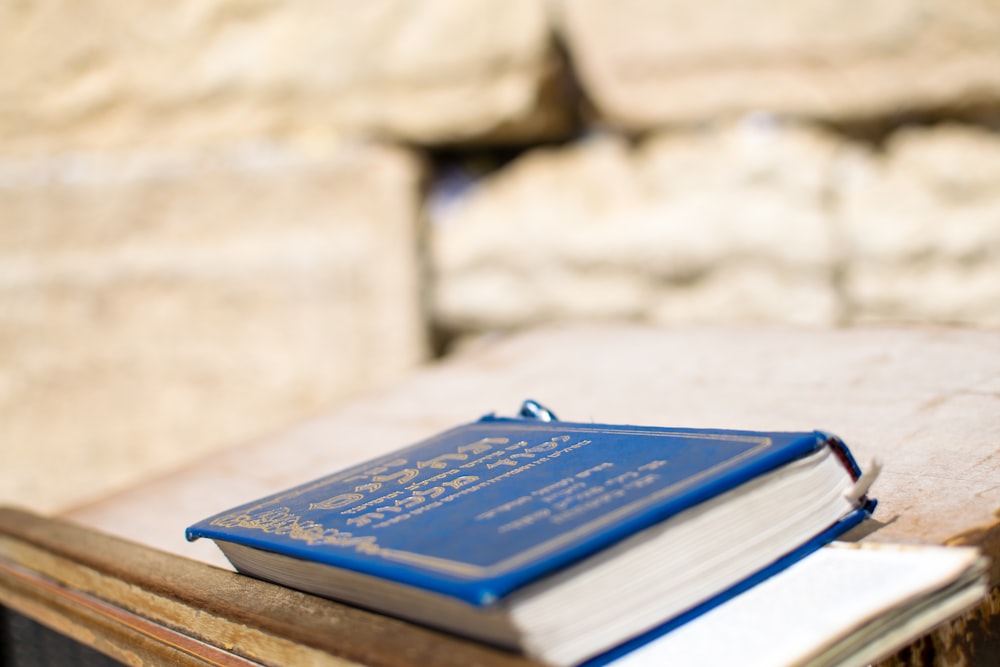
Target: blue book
x,y
558,539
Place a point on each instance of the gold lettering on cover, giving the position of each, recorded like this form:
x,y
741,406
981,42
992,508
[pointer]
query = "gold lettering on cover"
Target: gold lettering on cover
x,y
377,470
372,503
403,476
342,500
548,445
432,492
624,477
506,507
282,521
525,521
365,519
529,452
501,462
417,498
462,453
411,501
376,475
583,474
441,461
459,482
431,480
561,493
482,445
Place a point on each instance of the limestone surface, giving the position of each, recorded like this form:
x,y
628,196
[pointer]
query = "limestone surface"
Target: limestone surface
x,y
923,229
725,225
113,74
156,308
647,63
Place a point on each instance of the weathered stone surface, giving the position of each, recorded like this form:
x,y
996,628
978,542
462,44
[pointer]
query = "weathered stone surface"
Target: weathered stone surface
x,y
196,72
726,225
157,306
646,63
922,227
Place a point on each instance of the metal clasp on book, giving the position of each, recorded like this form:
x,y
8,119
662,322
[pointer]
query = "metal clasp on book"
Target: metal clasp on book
x,y
534,410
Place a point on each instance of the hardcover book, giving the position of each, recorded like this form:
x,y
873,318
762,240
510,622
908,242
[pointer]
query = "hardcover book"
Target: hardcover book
x,y
555,538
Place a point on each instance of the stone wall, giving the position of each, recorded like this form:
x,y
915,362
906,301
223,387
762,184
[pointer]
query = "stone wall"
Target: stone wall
x,y
155,306
759,222
646,63
104,73
220,217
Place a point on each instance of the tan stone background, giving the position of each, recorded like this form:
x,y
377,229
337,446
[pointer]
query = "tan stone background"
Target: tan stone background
x,y
219,217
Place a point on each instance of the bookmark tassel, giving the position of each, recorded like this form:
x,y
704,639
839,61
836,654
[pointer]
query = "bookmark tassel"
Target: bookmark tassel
x,y
860,488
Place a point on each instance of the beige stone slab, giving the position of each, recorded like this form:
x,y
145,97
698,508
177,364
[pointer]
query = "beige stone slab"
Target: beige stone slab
x,y
726,225
199,72
931,193
921,228
924,401
647,63
155,307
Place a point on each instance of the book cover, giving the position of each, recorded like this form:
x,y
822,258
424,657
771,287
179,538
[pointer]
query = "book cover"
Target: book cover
x,y
485,508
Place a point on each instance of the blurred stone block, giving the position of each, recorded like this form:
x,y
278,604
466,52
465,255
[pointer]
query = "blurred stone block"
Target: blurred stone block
x,y
922,226
196,71
728,225
156,306
646,63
